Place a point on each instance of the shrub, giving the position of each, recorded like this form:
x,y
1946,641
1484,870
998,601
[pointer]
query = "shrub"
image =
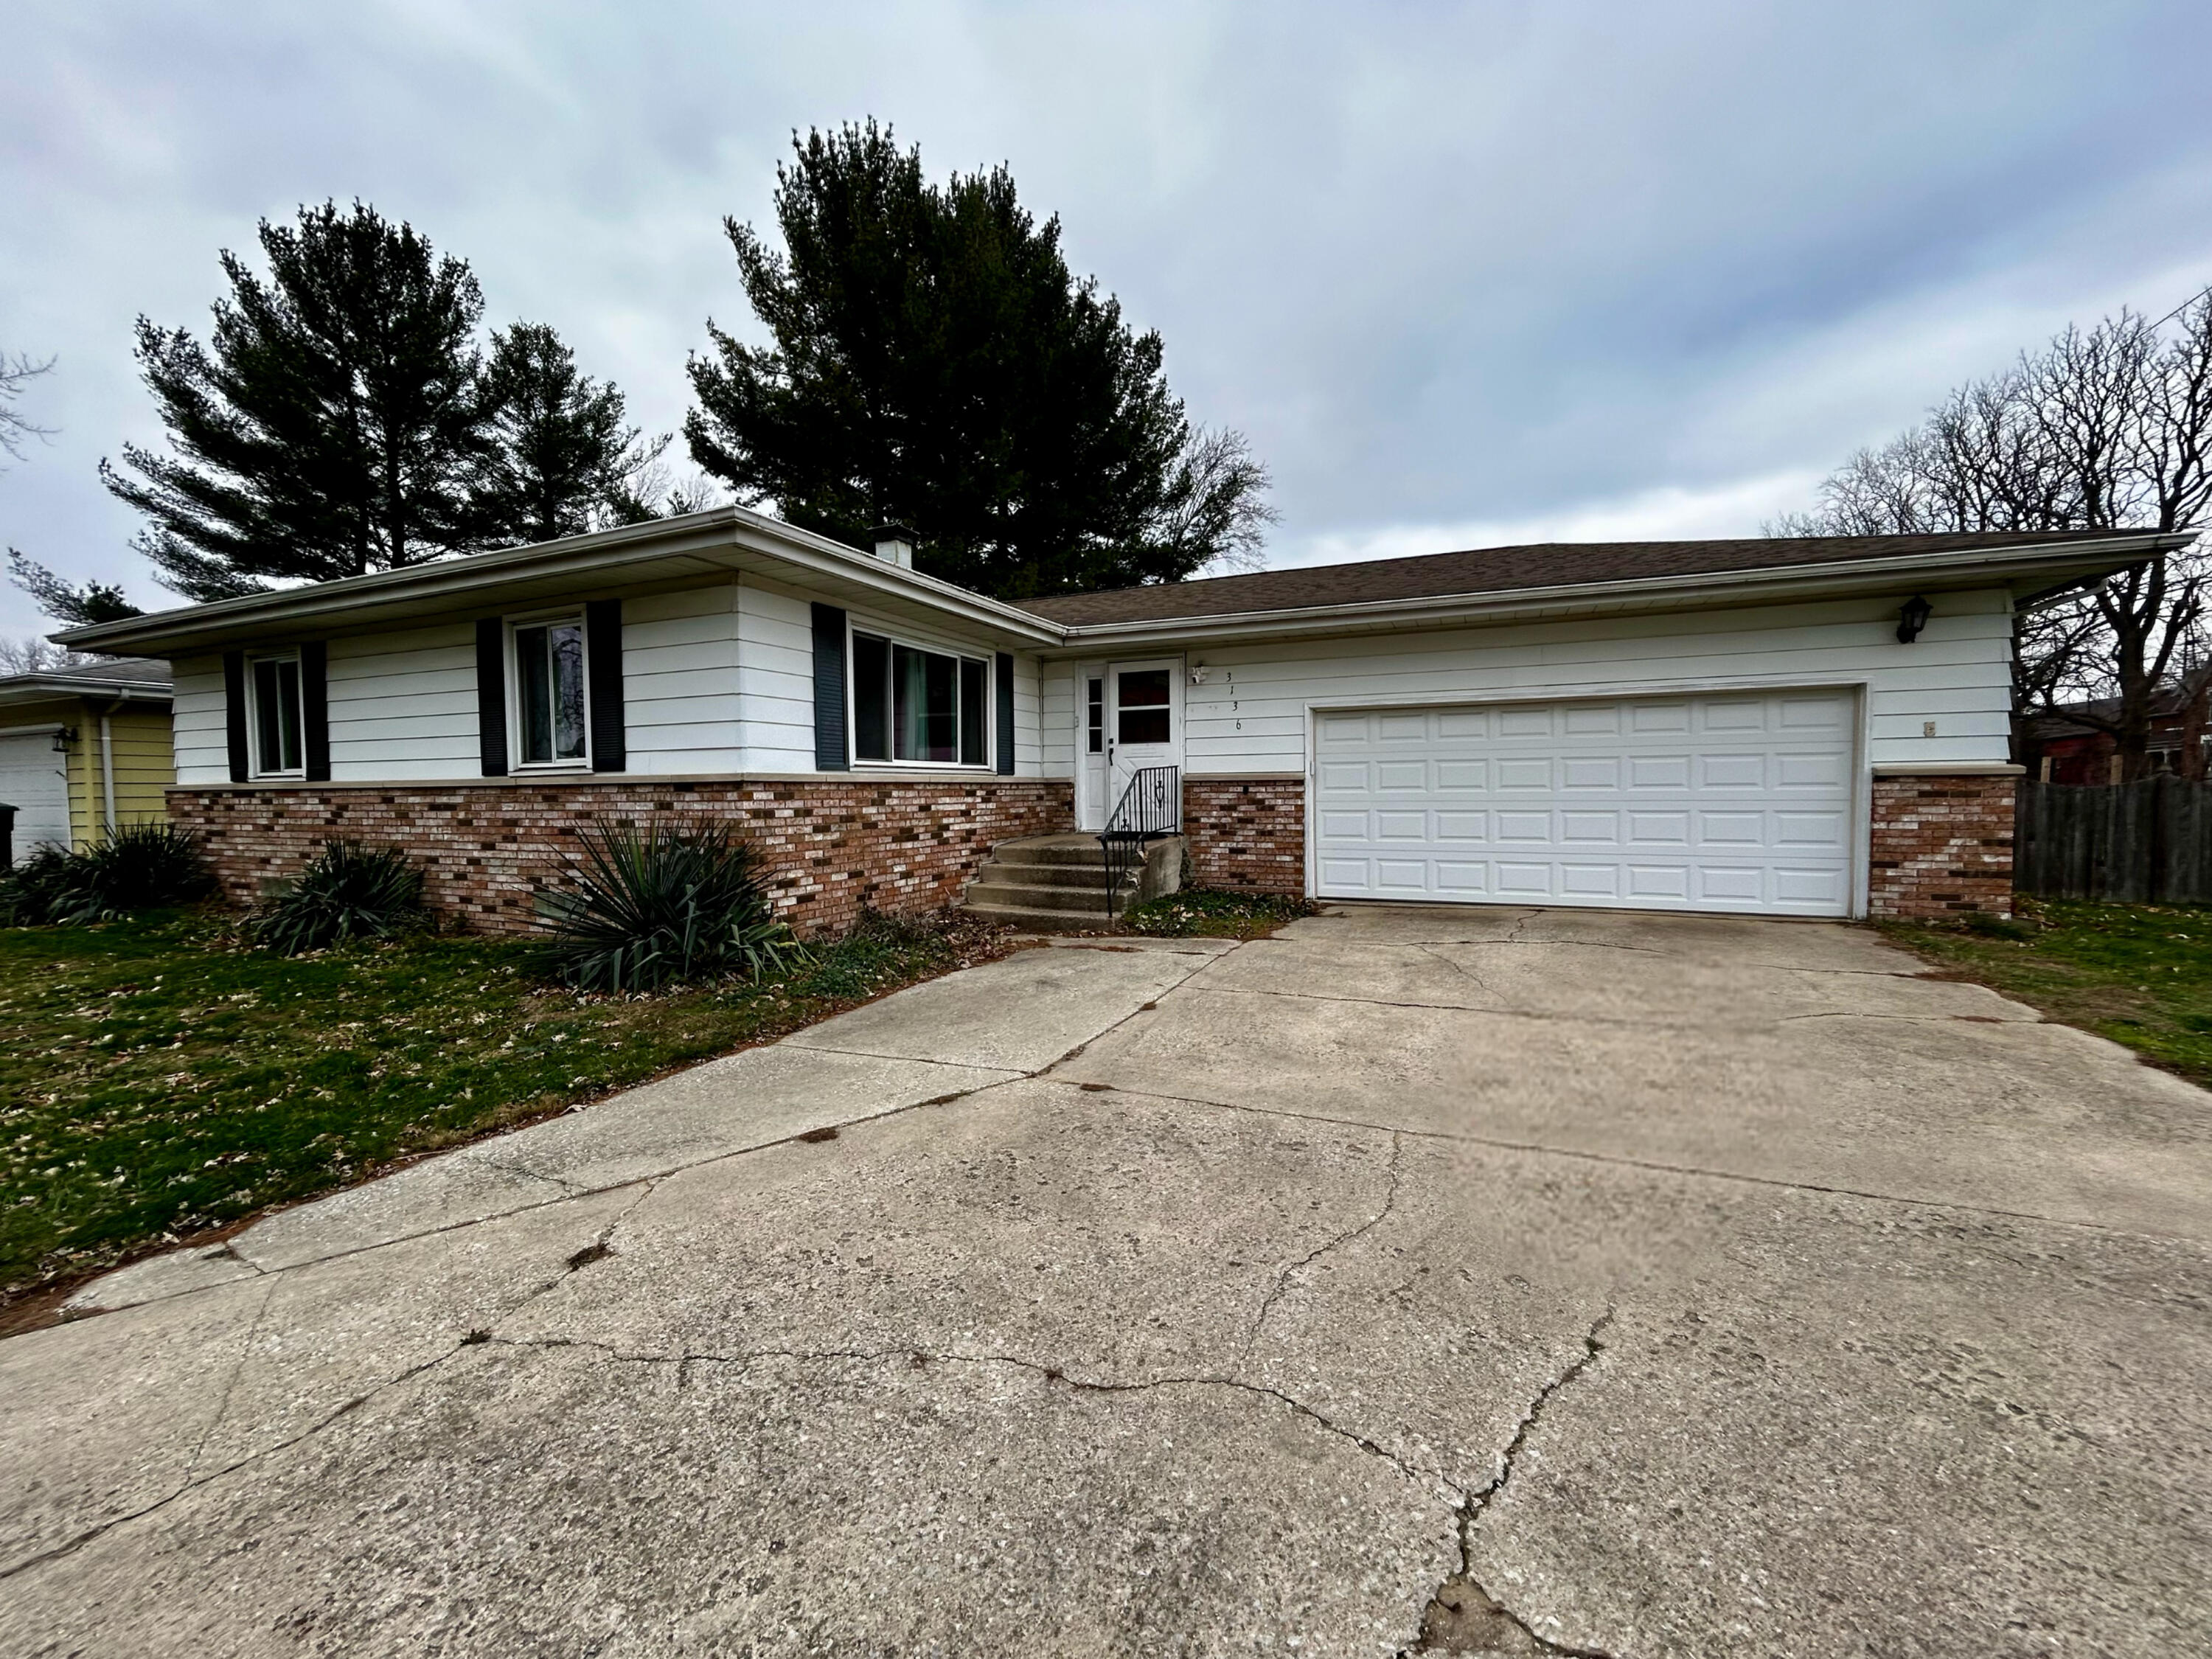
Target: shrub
x,y
347,891
666,903
135,867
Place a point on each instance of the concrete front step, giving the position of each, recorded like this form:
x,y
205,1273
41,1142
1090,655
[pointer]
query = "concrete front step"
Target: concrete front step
x,y
1040,921
994,887
1055,851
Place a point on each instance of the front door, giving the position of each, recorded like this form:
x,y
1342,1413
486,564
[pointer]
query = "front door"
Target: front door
x,y
1144,721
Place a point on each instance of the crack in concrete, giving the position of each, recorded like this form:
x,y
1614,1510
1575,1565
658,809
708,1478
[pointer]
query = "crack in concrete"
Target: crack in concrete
x,y
912,1355
1693,1172
93,1533
595,1251
1289,1270
1544,1015
1455,1618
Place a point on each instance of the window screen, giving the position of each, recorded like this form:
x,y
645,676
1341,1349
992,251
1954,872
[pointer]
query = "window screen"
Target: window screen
x,y
277,723
548,682
910,704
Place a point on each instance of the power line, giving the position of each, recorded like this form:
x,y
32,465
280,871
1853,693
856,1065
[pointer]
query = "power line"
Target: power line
x,y
2183,306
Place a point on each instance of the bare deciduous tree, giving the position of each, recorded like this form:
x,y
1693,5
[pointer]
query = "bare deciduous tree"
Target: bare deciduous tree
x,y
2107,429
33,655
16,372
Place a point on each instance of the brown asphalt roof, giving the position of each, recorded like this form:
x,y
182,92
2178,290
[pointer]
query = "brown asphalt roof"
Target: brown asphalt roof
x,y
1502,569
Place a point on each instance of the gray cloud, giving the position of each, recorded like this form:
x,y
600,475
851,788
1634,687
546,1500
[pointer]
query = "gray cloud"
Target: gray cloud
x,y
1509,268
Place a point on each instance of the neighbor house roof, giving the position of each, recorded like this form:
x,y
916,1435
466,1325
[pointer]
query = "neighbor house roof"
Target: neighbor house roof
x,y
1539,565
137,679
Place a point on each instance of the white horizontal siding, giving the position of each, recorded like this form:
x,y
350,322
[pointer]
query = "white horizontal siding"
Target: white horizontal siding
x,y
1057,717
1250,715
403,705
775,678
1028,720
197,725
681,709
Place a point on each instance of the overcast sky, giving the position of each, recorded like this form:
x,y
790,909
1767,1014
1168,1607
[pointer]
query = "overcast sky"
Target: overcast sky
x,y
1465,274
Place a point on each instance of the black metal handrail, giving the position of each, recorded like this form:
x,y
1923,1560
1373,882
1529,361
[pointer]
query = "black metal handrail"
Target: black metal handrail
x,y
1150,807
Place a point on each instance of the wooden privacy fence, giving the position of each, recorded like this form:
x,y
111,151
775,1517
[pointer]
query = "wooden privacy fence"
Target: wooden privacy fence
x,y
2148,842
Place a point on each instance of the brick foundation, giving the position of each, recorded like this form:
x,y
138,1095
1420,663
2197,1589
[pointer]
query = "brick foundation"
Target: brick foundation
x,y
1942,846
832,846
1248,833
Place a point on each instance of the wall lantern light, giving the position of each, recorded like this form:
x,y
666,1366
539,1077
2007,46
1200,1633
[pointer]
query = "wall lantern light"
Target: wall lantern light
x,y
63,737
1198,673
1911,619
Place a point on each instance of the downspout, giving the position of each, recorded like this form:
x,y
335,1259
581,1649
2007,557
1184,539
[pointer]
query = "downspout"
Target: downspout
x,y
107,766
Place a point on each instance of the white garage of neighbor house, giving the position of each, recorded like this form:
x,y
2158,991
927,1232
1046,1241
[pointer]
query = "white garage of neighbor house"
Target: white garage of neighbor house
x,y
83,749
1810,726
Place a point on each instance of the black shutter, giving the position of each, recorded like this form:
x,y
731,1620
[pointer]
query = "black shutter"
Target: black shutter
x,y
234,714
315,710
603,651
491,696
829,749
1005,721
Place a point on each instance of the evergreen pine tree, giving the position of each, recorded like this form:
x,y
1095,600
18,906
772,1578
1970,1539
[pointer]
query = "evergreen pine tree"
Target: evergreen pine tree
x,y
934,361
563,459
334,424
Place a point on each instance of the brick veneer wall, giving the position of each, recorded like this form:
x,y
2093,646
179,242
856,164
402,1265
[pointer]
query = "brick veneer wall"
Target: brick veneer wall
x,y
1247,833
1942,846
831,846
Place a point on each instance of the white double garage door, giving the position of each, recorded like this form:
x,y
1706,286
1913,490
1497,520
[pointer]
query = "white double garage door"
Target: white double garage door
x,y
1742,801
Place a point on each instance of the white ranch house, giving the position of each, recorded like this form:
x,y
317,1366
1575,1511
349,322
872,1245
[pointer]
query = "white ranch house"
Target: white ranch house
x,y
1802,727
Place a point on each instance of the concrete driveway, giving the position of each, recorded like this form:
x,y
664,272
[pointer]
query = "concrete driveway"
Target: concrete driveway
x,y
1466,1280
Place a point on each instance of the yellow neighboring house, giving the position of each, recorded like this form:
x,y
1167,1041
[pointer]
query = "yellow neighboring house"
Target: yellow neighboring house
x,y
82,749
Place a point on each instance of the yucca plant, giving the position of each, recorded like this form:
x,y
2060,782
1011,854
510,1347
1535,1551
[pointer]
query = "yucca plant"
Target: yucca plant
x,y
346,891
134,867
659,905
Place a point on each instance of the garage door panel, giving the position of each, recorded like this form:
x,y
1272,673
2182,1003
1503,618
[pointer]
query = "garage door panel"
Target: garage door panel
x,y
1808,830
1658,771
1659,884
1742,802
1589,829
1659,829
1732,771
1525,722
1659,717
1589,772
1809,771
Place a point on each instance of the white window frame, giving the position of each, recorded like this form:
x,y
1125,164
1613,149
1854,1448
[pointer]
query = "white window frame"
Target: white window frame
x,y
545,619
258,768
854,630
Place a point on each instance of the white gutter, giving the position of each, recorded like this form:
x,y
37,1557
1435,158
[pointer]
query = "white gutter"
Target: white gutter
x,y
1505,604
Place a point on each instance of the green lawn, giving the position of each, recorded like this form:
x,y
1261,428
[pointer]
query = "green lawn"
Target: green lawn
x,y
2139,973
1216,913
158,1079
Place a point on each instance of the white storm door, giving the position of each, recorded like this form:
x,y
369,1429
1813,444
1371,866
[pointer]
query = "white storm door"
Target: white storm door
x,y
1144,721
1740,801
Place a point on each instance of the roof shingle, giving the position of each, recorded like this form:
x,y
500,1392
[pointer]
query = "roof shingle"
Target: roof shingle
x,y
1502,569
